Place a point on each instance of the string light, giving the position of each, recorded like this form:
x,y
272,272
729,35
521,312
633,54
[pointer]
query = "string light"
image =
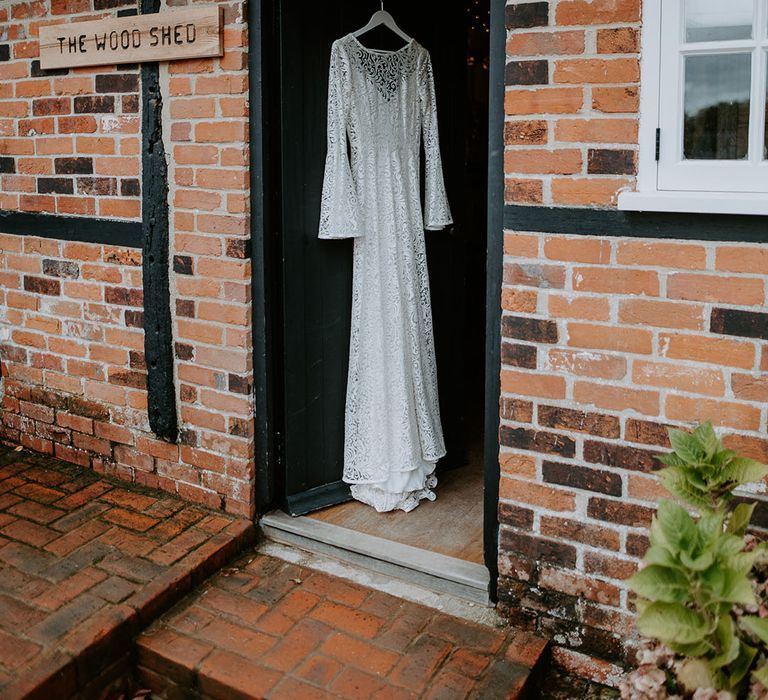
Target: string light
x,y
480,16
479,27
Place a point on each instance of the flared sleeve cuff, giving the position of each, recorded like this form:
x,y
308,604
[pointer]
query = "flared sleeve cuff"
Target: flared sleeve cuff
x,y
437,213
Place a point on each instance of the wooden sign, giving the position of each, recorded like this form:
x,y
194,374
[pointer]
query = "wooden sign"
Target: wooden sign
x,y
163,36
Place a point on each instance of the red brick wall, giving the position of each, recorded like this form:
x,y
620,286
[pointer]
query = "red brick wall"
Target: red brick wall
x,y
69,139
71,321
572,80
606,342
207,144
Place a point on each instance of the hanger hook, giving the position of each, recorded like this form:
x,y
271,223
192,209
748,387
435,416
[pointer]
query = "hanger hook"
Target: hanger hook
x,y
382,5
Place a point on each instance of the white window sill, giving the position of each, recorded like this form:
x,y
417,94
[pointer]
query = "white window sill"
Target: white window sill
x,y
695,202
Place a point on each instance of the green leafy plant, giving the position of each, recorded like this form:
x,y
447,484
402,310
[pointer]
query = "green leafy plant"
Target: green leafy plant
x,y
701,472
697,589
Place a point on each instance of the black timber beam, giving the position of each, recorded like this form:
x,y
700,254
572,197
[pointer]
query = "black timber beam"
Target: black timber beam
x,y
158,331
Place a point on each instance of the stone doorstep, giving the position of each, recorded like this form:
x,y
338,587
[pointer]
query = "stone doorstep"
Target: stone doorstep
x,y
62,673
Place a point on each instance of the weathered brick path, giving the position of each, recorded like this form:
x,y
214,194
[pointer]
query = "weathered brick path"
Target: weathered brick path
x,y
267,628
85,564
90,570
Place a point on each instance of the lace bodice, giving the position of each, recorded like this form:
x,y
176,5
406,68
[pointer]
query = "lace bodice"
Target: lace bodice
x,y
384,101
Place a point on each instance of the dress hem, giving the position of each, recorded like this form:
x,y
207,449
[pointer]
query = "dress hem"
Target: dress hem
x,y
384,501
397,471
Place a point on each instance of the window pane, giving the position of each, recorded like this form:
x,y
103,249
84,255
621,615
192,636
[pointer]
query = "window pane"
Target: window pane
x,y
717,106
718,20
765,138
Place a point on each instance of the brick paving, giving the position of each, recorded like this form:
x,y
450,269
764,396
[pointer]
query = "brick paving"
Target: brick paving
x,y
91,569
265,628
85,564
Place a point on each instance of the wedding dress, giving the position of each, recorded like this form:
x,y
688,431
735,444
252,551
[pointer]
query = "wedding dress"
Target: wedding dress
x,y
384,103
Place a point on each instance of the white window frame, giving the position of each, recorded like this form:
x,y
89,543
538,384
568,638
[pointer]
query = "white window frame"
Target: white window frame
x,y
649,196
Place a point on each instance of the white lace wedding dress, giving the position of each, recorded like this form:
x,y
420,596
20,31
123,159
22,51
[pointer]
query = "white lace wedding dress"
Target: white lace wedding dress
x,y
384,101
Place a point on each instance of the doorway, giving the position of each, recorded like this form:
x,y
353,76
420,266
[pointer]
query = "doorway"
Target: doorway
x,y
313,281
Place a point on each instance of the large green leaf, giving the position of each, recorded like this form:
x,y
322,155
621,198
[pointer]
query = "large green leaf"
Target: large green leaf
x,y
742,664
740,518
693,650
727,585
675,482
659,554
695,673
700,563
701,554
737,588
729,643
672,623
742,470
671,459
710,527
729,546
676,524
705,434
686,446
757,625
723,457
713,582
657,538
743,562
641,604
657,582
694,478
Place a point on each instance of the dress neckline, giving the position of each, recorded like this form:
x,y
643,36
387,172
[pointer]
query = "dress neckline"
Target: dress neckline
x,y
380,52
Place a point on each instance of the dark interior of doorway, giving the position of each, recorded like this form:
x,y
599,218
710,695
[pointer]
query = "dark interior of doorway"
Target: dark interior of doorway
x,y
453,524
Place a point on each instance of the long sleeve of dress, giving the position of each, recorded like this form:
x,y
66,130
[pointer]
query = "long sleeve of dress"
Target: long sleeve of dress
x,y
340,216
437,213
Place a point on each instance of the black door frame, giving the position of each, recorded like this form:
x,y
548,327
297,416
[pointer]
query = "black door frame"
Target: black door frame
x,y
494,269
263,19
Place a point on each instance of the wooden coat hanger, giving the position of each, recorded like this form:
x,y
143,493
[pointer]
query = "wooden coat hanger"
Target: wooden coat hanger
x,y
382,17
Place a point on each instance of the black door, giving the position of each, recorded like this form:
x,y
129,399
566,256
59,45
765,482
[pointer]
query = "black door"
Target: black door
x,y
317,275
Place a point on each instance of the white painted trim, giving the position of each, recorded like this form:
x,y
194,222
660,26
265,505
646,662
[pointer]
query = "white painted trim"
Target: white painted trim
x,y
694,202
648,196
650,78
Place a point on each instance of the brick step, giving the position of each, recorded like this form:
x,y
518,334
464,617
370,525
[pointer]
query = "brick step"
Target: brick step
x,y
94,657
266,628
87,563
